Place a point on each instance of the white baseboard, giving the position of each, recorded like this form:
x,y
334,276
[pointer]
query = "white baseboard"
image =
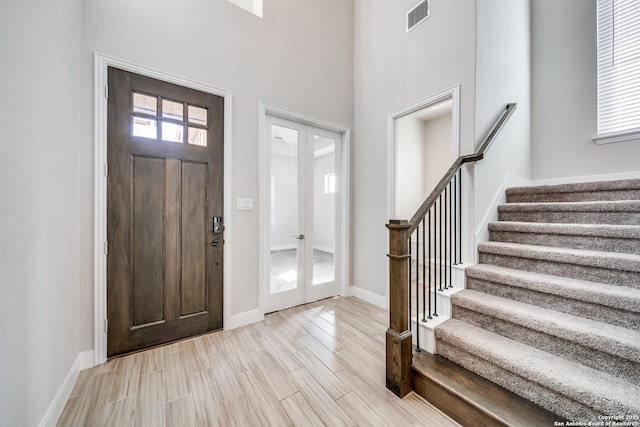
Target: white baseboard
x,y
246,318
84,360
369,297
491,214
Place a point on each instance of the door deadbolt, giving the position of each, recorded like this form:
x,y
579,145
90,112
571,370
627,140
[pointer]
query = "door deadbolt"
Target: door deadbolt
x,y
218,225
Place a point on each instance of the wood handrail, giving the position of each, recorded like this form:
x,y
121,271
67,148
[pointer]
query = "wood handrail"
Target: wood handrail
x,y
399,377
478,155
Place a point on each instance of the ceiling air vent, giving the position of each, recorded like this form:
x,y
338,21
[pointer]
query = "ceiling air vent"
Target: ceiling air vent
x,y
418,14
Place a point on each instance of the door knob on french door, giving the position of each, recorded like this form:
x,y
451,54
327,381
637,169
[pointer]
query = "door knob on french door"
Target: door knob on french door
x,y
300,237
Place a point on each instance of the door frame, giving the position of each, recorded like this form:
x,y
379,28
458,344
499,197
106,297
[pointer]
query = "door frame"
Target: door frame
x,y
264,154
101,64
453,94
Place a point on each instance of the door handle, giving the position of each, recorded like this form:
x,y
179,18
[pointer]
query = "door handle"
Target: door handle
x,y
215,243
300,237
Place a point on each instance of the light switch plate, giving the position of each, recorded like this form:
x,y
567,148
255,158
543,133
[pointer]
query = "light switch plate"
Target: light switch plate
x,y
245,204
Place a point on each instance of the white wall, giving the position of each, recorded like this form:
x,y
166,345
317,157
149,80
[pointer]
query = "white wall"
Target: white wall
x,y
39,186
502,75
410,166
299,57
245,4
564,101
438,154
423,155
394,69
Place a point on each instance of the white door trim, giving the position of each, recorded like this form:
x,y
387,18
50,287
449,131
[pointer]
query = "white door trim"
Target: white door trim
x,y
452,93
264,193
101,64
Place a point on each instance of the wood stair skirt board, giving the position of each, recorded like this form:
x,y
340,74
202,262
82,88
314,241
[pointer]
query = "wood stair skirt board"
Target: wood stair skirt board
x,y
551,312
471,399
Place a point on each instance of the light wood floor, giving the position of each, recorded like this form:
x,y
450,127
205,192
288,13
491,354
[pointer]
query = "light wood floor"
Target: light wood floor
x,y
313,365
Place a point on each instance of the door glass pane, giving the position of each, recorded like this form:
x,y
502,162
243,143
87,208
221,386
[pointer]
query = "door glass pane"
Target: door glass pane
x,y
145,104
324,209
172,110
197,136
146,128
172,132
284,209
198,115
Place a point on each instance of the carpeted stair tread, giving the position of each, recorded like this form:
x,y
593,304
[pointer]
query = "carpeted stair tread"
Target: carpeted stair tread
x,y
605,260
620,184
603,337
599,190
591,206
591,230
621,297
599,237
588,386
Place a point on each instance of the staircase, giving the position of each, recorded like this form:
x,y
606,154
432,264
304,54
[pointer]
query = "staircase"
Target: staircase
x,y
551,311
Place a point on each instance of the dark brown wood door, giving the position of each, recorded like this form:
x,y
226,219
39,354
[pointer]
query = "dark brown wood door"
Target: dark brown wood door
x,y
165,185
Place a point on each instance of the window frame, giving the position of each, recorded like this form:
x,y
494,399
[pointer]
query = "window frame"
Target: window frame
x,y
606,49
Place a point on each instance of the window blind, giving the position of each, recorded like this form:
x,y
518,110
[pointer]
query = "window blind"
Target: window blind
x,y
618,66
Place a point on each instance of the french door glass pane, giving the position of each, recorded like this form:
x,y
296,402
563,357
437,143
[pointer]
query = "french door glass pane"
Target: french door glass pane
x,y
324,209
284,209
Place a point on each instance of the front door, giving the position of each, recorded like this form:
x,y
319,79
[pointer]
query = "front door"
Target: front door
x,y
304,228
164,212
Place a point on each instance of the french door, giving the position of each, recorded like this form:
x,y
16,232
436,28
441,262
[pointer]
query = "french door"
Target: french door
x,y
303,259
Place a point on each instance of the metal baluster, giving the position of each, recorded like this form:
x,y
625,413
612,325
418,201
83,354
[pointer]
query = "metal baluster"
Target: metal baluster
x,y
435,257
445,264
450,265
460,213
429,259
417,234
410,277
454,239
440,238
424,271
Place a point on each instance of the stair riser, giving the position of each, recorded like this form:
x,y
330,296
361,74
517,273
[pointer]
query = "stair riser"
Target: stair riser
x,y
596,243
612,218
536,393
587,196
587,356
583,272
601,313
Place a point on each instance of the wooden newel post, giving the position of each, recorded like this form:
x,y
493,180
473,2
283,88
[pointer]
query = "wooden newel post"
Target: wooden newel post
x,y
398,349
